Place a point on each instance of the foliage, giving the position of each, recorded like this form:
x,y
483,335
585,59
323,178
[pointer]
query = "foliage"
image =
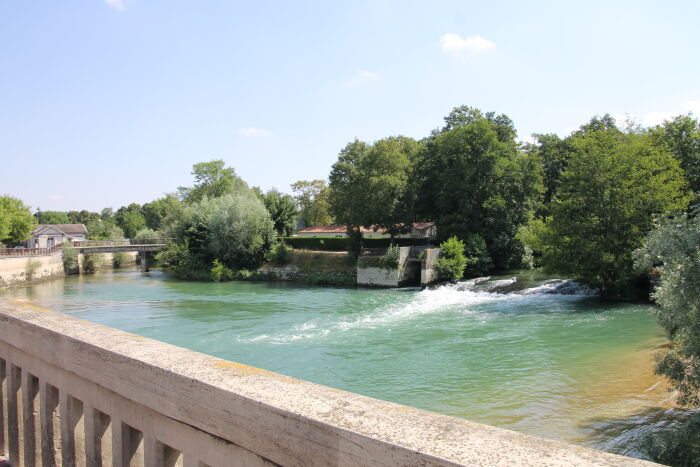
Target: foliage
x,y
553,154
681,136
82,217
104,229
369,185
312,200
477,255
241,232
280,254
16,221
676,446
147,234
282,210
391,258
119,258
157,211
91,262
30,268
69,256
471,179
234,229
451,263
52,217
132,223
612,186
212,180
673,248
220,272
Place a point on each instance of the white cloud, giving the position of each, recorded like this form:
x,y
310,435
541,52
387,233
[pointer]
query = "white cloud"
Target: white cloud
x,y
254,132
455,45
656,118
692,106
118,4
363,77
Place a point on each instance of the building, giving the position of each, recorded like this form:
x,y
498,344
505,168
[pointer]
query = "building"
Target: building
x,y
419,230
50,235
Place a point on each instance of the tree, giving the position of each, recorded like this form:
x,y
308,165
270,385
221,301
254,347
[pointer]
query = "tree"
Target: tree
x,y
612,186
672,252
346,191
471,179
312,200
681,136
16,220
553,153
157,210
282,210
212,180
52,217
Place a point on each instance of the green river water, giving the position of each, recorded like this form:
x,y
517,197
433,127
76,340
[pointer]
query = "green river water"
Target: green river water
x,y
505,352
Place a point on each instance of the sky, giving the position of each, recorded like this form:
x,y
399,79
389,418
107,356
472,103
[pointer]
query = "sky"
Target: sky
x,y
109,102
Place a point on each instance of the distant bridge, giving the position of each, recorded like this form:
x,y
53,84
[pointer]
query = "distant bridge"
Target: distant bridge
x,y
126,245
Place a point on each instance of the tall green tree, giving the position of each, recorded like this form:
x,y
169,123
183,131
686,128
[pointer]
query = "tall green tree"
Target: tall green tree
x,y
282,210
471,179
554,154
157,210
52,217
613,185
16,220
681,136
211,180
312,197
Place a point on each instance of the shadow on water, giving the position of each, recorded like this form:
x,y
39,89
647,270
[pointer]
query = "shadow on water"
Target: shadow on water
x,y
627,435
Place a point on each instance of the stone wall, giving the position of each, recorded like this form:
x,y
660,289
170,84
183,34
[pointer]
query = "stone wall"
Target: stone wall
x,y
78,393
15,270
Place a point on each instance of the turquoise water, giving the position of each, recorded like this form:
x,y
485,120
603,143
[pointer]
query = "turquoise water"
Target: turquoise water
x,y
509,353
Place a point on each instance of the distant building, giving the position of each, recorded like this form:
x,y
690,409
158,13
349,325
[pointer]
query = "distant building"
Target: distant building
x,y
50,235
419,230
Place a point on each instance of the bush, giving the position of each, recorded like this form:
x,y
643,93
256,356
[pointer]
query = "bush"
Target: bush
x,y
677,446
477,255
220,272
119,258
31,268
91,261
69,255
280,254
451,263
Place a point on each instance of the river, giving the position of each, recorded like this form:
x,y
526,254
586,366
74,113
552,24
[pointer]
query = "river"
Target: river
x,y
520,352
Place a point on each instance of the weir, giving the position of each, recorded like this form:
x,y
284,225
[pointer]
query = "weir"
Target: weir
x,y
78,393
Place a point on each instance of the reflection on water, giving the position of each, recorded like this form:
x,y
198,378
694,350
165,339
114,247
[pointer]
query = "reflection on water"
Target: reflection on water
x,y
523,352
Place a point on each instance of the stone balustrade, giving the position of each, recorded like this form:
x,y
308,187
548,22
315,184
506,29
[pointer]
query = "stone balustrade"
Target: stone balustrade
x,y
78,393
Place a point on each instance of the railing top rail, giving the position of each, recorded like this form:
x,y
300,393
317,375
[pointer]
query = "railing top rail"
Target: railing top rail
x,y
286,420
4,252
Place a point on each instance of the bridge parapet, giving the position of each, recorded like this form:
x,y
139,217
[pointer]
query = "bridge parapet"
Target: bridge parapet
x,y
79,393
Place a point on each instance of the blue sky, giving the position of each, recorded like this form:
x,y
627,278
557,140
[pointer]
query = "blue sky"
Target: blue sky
x,y
103,103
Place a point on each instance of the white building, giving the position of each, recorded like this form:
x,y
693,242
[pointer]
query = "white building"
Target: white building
x,y
50,235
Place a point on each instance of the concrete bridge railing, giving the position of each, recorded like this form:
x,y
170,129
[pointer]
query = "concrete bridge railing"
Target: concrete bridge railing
x,y
78,393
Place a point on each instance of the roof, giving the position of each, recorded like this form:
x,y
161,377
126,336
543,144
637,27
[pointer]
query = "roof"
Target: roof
x,y
68,229
338,228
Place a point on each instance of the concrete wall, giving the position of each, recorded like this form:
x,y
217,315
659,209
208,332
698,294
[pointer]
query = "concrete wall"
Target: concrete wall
x,y
380,277
78,393
14,269
428,275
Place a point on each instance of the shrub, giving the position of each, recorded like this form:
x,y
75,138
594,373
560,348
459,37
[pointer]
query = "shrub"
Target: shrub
x,y
220,272
479,261
91,261
451,264
280,254
31,268
391,258
119,258
69,255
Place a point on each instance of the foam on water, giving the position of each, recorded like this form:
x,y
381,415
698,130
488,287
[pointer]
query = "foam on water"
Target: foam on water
x,y
467,298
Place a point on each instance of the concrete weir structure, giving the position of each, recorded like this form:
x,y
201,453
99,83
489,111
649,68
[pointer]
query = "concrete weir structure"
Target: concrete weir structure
x,y
78,393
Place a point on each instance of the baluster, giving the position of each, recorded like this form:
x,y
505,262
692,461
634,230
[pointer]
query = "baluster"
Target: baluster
x,y
30,391
48,399
71,430
97,437
13,410
3,407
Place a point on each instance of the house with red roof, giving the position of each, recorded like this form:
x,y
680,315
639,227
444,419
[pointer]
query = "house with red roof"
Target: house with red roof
x,y
419,230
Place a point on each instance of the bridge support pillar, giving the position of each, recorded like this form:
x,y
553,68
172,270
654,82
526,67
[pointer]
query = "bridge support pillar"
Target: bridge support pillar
x,y
144,261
